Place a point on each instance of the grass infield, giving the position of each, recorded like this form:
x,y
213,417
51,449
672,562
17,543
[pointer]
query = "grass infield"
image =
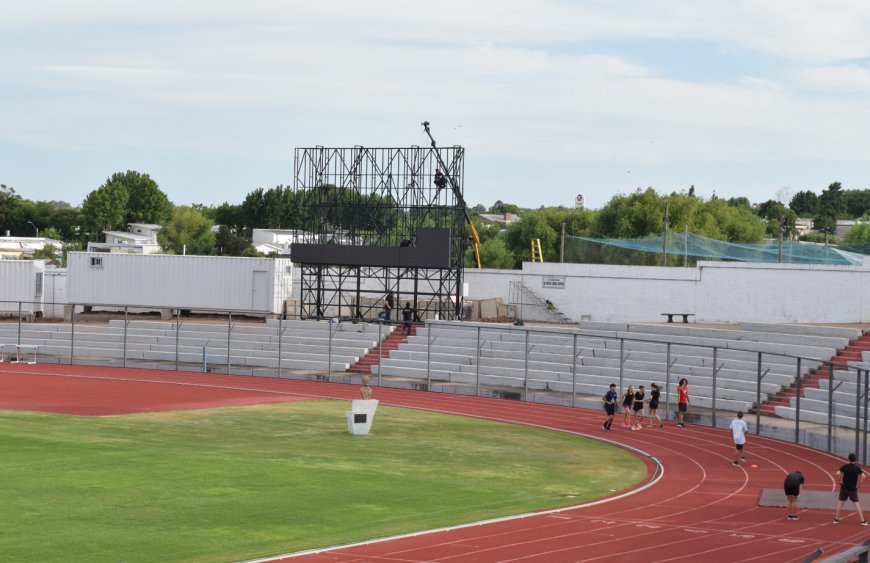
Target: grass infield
x,y
239,483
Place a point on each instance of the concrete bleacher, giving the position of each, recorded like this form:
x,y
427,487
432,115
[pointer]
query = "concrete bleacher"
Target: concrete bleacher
x,y
502,359
303,345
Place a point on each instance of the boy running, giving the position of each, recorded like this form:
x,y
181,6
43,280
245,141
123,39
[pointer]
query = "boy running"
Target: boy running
x,y
609,406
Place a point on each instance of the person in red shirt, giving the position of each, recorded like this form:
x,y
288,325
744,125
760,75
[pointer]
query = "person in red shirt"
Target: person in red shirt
x,y
682,401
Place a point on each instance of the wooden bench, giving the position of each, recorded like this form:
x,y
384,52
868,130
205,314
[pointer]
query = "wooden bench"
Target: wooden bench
x,y
671,316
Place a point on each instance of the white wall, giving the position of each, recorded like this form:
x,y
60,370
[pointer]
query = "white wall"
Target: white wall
x,y
726,292
21,281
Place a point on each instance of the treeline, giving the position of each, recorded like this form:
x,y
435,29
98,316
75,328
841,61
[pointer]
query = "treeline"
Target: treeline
x,y
132,197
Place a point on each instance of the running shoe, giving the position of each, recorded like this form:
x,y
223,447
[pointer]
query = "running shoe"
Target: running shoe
x,y
864,523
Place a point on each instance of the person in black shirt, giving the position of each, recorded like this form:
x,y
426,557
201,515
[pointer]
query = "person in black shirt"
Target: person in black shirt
x,y
389,305
407,317
609,406
850,477
654,405
792,486
637,408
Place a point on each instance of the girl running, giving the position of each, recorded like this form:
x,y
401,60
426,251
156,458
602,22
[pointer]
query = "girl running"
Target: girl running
x,y
627,401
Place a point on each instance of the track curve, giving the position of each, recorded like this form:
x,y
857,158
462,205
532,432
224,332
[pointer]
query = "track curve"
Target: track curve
x,y
700,507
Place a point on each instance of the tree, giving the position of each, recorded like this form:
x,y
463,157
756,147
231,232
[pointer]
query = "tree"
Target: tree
x,y
857,203
494,253
858,235
739,202
518,236
188,232
105,208
9,201
145,202
230,244
805,204
831,207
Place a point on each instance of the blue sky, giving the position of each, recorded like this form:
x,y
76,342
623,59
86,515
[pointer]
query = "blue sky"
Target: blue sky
x,y
550,99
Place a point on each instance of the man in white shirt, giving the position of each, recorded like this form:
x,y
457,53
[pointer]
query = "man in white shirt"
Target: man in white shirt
x,y
738,432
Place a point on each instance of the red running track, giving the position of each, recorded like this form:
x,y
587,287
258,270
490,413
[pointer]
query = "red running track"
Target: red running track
x,y
701,508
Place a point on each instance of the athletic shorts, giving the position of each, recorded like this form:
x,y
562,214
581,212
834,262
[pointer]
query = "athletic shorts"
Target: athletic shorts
x,y
851,495
653,405
792,491
610,409
638,407
739,446
683,407
626,406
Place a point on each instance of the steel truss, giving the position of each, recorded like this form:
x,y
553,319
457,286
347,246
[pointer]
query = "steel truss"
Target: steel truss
x,y
379,197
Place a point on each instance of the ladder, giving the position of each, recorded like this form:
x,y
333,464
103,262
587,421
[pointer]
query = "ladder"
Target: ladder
x,y
537,255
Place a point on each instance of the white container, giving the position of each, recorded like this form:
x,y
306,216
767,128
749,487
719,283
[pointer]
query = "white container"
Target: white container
x,y
167,281
21,282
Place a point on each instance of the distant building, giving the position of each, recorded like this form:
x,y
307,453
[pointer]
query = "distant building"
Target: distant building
x,y
140,239
278,241
500,220
23,248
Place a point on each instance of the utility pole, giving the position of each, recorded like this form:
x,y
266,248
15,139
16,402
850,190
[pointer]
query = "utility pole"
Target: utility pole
x,y
665,238
562,250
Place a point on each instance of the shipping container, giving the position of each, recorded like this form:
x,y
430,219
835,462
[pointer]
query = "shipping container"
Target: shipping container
x,y
21,286
179,282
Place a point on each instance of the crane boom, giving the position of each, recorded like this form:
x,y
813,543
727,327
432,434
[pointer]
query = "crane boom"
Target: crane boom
x,y
442,177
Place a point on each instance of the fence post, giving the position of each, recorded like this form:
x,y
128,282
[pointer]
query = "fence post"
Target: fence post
x,y
177,331
526,370
715,360
858,412
621,361
574,372
668,382
758,398
380,325
797,403
19,324
429,329
329,352
72,335
830,403
280,338
126,322
477,364
229,340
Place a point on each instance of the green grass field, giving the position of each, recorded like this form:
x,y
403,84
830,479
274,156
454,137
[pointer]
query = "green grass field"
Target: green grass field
x,y
237,483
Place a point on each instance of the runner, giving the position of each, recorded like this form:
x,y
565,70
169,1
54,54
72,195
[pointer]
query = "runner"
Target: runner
x,y
654,406
627,401
792,486
609,406
738,432
682,401
637,407
850,477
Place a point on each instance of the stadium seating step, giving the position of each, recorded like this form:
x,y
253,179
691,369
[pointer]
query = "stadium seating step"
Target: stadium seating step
x,y
851,353
391,342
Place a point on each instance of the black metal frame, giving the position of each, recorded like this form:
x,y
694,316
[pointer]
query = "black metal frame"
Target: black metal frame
x,y
379,197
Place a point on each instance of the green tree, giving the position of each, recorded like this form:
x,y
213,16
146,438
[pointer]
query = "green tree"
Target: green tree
x,y
831,207
494,253
805,204
105,209
188,232
9,201
857,203
230,244
519,236
858,235
145,202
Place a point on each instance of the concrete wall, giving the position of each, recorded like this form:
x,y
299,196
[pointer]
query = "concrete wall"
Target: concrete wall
x,y
716,292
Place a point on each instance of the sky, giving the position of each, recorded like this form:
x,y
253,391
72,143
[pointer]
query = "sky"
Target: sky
x,y
754,98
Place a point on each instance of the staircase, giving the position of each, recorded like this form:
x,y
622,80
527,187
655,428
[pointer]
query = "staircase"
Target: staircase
x,y
532,298
391,342
851,353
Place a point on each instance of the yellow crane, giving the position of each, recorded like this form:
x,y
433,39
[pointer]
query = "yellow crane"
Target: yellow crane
x,y
442,178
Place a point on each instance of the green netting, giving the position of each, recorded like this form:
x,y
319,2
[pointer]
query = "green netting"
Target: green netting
x,y
682,246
